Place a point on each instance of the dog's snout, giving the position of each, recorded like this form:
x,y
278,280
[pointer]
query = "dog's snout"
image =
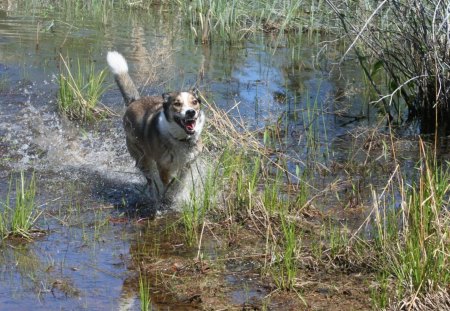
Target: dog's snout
x,y
190,113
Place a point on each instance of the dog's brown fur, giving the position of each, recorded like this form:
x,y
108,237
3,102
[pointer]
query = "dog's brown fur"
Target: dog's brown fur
x,y
162,132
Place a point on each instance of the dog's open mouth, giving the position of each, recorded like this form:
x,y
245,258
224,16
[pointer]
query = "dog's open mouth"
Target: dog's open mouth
x,y
187,124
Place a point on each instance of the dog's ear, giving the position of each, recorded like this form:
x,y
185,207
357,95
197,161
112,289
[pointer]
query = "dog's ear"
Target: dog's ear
x,y
167,98
195,92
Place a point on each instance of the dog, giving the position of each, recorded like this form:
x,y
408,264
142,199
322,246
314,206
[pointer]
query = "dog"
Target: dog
x,y
162,132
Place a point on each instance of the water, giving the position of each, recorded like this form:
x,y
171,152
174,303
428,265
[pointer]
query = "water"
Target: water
x,y
86,177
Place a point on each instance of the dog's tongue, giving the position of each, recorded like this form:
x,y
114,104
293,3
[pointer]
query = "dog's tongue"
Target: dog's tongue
x,y
190,125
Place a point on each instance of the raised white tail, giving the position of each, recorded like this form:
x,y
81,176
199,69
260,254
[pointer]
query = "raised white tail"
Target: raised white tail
x,y
119,68
117,63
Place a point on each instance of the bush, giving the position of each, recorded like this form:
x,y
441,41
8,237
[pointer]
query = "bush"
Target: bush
x,y
409,39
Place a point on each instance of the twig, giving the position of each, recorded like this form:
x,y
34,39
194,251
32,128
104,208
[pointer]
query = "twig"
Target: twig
x,y
362,29
200,242
396,90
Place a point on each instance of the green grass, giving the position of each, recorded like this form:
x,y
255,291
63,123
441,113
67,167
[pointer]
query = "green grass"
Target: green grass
x,y
19,218
338,239
195,209
144,293
314,125
284,271
73,10
271,194
209,21
248,184
80,92
379,294
192,216
412,242
423,259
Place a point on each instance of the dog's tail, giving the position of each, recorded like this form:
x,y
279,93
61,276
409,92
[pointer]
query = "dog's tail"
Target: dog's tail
x,y
119,68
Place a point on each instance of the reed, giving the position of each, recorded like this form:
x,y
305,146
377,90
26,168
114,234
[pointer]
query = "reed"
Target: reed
x,y
232,21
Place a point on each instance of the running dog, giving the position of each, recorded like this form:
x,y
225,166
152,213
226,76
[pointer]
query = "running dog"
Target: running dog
x,y
162,132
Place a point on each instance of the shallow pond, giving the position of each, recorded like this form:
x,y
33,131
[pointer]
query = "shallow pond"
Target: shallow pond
x,y
86,179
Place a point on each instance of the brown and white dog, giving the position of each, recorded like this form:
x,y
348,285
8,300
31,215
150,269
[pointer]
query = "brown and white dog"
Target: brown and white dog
x,y
162,132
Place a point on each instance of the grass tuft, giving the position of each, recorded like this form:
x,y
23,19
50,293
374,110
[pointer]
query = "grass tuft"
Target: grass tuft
x,y
144,293
80,92
412,242
285,270
19,219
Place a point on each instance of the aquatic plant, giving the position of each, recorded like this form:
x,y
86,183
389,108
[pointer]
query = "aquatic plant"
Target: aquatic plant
x,y
254,190
313,118
380,293
416,30
19,219
232,21
271,194
249,184
72,11
79,92
338,239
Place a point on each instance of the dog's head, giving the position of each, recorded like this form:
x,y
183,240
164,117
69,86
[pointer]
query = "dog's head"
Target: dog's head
x,y
183,108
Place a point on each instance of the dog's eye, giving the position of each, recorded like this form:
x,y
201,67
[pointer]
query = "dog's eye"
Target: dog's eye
x,y
195,102
177,104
